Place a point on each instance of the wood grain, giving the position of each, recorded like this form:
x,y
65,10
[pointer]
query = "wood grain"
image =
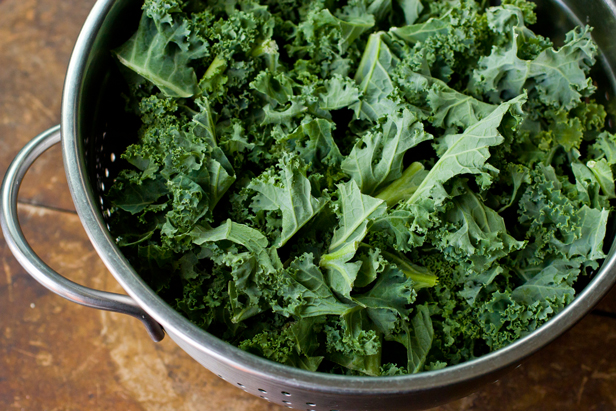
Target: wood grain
x,y
36,39
55,355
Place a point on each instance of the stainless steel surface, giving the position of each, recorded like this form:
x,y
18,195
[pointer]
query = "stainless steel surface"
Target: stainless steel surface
x,y
89,155
34,265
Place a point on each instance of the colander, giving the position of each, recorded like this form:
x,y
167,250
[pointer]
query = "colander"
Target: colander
x,y
91,148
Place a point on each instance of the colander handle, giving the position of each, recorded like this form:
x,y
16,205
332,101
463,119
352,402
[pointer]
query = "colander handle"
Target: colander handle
x,y
34,265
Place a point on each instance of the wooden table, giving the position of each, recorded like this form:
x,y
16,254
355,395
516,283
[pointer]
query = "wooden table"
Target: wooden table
x,y
55,355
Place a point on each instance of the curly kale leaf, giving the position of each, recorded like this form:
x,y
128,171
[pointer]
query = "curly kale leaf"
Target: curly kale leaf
x,y
314,143
252,239
161,50
395,229
373,78
452,108
449,39
422,31
135,197
372,265
376,160
559,77
447,106
327,38
338,92
312,295
556,223
354,343
416,335
288,191
466,152
552,283
475,232
277,87
388,299
386,11
412,9
594,182
355,211
605,147
294,345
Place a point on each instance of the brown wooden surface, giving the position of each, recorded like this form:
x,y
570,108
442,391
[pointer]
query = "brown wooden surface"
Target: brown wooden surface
x,y
55,355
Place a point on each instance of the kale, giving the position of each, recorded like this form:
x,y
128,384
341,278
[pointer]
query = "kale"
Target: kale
x,y
368,187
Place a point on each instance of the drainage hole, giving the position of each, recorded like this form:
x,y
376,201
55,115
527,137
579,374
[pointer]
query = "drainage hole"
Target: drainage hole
x,y
286,402
311,404
286,394
241,385
265,398
262,390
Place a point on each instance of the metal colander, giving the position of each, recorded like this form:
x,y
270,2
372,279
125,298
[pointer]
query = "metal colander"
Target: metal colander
x,y
92,145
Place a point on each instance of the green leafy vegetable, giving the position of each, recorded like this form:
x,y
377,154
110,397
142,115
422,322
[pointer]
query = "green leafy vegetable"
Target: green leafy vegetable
x,y
160,51
370,187
356,213
466,152
289,193
559,77
377,158
373,78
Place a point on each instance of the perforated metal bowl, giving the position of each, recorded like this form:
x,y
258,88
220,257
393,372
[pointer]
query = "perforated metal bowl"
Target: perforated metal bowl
x,y
91,147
